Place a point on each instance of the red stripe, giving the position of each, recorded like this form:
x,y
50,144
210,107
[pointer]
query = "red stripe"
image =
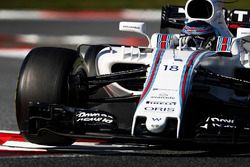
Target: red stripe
x,y
186,74
152,75
4,137
224,44
163,41
201,31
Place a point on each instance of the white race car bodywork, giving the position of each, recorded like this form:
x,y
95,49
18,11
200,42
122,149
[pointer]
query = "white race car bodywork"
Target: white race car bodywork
x,y
169,76
189,87
166,88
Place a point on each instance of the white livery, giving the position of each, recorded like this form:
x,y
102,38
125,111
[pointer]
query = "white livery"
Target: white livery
x,y
193,85
163,97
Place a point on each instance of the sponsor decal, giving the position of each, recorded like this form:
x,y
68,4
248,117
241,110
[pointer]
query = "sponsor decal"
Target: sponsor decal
x,y
155,126
163,96
245,33
160,109
86,116
171,68
161,103
164,89
181,10
156,119
219,122
132,27
241,16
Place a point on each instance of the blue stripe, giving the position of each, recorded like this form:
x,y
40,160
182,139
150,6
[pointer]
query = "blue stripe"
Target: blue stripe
x,y
182,76
229,43
188,77
190,70
159,41
153,65
156,72
219,44
189,73
169,39
167,42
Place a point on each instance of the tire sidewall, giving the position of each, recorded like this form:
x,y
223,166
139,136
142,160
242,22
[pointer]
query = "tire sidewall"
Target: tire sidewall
x,y
43,78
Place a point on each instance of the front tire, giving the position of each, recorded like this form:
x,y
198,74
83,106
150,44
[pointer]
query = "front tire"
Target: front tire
x,y
44,77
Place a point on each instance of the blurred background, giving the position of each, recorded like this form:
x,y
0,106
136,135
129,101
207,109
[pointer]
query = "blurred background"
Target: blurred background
x,y
101,4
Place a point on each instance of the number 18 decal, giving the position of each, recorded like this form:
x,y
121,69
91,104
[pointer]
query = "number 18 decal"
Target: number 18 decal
x,y
171,68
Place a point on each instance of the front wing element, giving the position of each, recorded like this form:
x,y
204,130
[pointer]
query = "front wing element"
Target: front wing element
x,y
63,121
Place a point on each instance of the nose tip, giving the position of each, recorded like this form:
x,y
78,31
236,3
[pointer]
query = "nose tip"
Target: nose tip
x,y
155,125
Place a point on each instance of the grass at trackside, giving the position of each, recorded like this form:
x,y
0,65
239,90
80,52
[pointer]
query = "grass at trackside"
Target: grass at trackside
x,y
99,4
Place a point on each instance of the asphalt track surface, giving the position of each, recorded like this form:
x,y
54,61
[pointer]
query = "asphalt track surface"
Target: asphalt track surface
x,y
143,157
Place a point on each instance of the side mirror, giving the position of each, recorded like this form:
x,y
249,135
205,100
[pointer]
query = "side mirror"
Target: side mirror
x,y
137,27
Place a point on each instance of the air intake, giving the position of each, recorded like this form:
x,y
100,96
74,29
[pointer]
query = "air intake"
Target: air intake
x,y
199,9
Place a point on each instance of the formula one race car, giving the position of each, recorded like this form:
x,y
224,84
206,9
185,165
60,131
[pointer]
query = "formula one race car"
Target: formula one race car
x,y
189,87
